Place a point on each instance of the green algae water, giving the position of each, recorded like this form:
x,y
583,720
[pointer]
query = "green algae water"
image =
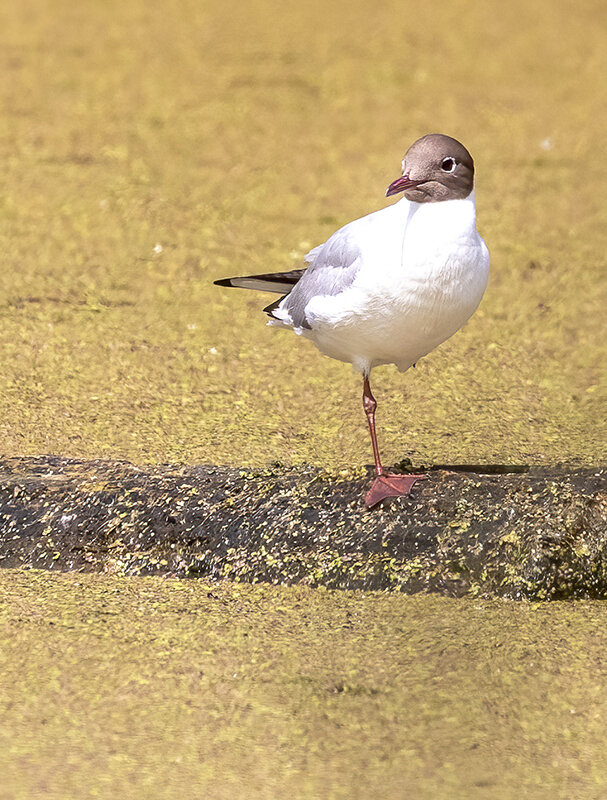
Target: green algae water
x,y
113,687
146,152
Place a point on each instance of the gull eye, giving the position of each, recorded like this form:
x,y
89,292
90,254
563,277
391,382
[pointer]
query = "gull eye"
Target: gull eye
x,y
448,165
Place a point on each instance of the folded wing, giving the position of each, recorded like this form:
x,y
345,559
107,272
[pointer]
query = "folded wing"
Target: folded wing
x,y
279,282
333,268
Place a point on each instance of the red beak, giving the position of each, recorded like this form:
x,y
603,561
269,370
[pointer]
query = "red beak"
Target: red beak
x,y
400,184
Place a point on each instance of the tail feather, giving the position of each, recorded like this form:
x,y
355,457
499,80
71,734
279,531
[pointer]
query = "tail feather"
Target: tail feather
x,y
279,282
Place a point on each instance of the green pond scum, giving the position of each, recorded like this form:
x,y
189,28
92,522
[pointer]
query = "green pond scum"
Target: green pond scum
x,y
146,687
146,150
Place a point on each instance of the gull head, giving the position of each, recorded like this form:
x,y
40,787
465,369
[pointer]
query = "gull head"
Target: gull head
x,y
435,167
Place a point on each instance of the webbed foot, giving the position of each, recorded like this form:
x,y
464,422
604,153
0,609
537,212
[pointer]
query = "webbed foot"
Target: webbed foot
x,y
391,486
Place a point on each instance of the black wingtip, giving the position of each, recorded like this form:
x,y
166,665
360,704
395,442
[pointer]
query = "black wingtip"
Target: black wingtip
x,y
223,282
269,309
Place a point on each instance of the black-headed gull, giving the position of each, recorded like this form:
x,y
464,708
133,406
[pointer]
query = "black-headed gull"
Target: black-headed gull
x,y
390,287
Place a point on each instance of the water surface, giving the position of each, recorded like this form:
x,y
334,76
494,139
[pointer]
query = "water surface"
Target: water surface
x,y
114,687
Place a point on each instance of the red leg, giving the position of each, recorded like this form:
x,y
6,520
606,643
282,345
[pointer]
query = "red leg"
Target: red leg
x,y
385,484
370,404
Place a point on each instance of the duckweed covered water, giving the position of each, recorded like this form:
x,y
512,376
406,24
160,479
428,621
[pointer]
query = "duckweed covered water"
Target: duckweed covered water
x,y
130,688
145,152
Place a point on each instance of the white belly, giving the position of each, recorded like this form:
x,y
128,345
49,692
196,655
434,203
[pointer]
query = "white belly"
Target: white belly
x,y
400,313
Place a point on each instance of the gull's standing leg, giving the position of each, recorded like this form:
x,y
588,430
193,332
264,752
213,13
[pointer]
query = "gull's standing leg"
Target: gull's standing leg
x,y
370,404
384,484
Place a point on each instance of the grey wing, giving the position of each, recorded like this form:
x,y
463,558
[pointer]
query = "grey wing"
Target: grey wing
x,y
333,268
310,257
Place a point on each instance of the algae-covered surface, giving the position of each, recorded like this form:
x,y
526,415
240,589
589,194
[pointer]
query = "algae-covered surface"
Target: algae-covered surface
x,y
131,688
534,533
146,151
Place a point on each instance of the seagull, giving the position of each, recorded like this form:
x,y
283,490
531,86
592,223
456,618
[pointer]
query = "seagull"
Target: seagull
x,y
390,287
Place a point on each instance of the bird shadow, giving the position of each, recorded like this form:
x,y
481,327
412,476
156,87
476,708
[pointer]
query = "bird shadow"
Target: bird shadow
x,y
406,466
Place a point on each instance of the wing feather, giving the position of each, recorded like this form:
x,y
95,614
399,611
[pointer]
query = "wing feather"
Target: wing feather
x,y
333,267
279,282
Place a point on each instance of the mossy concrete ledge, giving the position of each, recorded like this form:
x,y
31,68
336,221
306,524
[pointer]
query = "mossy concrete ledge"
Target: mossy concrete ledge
x,y
539,533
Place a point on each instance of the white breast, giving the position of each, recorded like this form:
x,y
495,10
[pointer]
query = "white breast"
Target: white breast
x,y
424,271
